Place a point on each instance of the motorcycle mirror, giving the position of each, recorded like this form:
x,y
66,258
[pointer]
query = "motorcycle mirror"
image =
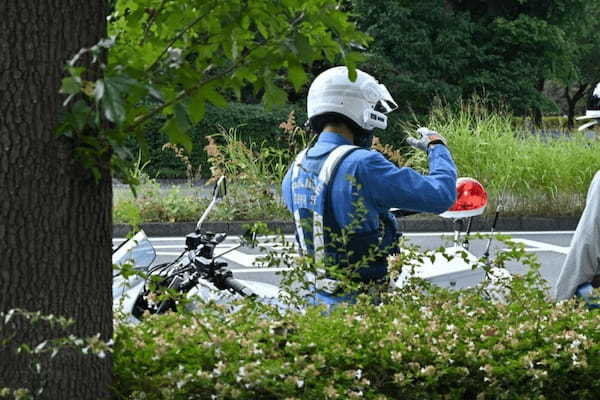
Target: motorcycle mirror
x,y
219,191
220,188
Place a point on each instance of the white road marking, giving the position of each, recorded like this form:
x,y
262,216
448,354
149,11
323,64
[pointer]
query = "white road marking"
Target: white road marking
x,y
541,246
508,233
536,233
238,257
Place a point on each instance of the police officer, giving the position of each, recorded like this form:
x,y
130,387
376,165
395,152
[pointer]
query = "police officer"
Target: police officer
x,y
339,188
581,267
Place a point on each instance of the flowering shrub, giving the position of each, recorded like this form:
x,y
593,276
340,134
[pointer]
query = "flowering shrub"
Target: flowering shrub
x,y
418,342
41,355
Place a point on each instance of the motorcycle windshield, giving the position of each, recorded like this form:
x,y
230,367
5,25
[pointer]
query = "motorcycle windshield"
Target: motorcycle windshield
x,y
137,251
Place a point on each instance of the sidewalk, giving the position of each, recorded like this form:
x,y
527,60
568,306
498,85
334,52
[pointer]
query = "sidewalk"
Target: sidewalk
x,y
409,224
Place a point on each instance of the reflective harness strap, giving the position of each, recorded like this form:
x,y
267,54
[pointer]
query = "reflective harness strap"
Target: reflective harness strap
x,y
299,231
325,175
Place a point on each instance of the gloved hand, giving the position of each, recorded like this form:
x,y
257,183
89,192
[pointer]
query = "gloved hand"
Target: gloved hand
x,y
428,137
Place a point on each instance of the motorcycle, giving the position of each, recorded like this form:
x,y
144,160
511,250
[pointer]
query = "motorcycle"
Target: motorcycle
x,y
199,273
140,287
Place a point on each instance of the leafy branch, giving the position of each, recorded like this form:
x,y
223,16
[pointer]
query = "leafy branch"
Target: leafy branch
x,y
261,40
176,38
153,16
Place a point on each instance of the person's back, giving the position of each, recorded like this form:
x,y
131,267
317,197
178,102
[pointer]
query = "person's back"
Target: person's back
x,y
581,266
340,185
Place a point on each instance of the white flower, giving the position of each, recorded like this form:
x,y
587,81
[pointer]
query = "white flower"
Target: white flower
x,y
218,368
174,57
358,374
242,371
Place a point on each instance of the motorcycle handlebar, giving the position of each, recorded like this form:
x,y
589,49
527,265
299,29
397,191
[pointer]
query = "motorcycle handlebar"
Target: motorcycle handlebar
x,y
238,287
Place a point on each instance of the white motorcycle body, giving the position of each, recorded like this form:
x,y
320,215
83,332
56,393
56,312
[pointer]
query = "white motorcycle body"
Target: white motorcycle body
x,y
444,272
462,271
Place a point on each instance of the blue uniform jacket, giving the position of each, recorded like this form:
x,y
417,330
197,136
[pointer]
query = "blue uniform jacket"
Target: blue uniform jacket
x,y
380,185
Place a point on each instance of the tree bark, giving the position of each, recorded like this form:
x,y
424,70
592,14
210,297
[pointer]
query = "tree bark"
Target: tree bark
x,y
55,220
538,120
572,102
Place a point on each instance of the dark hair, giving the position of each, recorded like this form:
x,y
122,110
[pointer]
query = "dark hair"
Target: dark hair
x,y
318,122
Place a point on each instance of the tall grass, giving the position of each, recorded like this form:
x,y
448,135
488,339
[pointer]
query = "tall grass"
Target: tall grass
x,y
531,173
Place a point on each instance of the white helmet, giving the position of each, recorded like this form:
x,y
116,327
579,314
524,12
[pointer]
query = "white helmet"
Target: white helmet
x,y
593,110
365,101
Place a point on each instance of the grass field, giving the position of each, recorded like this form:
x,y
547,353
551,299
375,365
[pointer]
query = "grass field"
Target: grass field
x,y
529,174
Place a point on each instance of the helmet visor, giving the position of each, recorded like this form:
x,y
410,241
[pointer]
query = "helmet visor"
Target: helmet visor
x,y
386,101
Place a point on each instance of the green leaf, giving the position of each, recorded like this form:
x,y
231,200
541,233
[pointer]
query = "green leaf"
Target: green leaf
x,y
79,115
75,71
351,59
297,76
305,50
177,127
245,22
352,73
71,85
274,95
210,94
112,102
195,108
354,58
181,117
123,82
262,29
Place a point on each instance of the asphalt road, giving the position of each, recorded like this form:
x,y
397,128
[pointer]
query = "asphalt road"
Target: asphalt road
x,y
245,263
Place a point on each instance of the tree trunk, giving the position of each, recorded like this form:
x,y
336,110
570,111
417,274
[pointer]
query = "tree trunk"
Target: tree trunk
x,y
572,103
55,221
538,120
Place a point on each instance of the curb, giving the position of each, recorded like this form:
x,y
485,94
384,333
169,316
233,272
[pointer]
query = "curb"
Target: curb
x,y
407,225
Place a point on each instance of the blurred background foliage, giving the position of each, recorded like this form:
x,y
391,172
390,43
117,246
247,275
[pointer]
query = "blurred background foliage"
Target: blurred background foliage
x,y
538,60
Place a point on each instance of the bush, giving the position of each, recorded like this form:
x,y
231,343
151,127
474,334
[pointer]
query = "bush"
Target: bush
x,y
253,122
533,174
420,342
254,125
153,204
184,204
